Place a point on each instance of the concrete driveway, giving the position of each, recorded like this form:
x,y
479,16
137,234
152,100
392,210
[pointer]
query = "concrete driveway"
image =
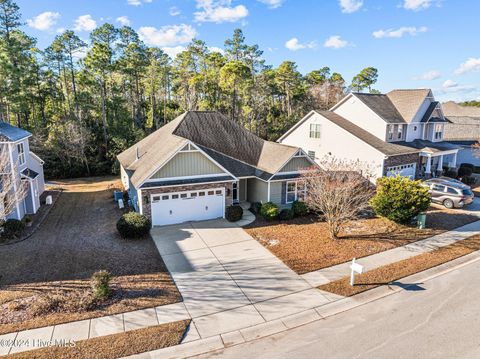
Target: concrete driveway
x,y
227,279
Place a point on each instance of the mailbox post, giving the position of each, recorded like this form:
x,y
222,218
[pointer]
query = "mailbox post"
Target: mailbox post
x,y
356,268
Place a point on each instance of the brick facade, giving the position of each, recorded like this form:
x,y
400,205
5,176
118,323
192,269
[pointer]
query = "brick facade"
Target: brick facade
x,y
402,160
146,193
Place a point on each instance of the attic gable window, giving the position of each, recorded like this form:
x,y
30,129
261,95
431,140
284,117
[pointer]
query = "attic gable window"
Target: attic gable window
x,y
315,130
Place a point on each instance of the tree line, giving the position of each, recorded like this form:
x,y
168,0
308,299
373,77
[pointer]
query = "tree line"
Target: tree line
x,y
87,102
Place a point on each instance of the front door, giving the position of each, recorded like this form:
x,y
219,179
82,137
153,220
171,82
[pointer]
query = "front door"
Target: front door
x,y
235,192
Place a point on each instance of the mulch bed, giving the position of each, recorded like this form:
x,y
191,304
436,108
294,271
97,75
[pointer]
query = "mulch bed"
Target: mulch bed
x,y
78,238
115,345
304,244
387,274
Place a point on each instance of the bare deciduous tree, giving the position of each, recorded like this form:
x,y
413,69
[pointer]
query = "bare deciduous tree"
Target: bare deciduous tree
x,y
12,189
339,191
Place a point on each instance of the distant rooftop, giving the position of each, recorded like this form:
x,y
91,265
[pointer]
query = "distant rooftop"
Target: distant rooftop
x,y
12,133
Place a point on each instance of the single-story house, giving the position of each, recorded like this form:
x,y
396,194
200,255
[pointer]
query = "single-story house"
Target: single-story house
x,y
201,162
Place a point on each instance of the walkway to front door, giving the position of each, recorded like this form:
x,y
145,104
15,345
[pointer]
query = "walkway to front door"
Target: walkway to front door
x,y
228,280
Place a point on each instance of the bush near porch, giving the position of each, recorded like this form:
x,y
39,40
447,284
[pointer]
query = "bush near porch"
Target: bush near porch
x,y
304,243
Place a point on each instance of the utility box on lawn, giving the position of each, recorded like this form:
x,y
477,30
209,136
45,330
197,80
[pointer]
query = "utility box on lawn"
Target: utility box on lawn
x,y
421,220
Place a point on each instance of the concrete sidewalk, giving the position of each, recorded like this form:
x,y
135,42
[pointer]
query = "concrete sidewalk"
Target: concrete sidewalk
x,y
326,275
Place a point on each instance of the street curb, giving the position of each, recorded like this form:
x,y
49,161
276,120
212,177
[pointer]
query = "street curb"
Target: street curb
x,y
226,340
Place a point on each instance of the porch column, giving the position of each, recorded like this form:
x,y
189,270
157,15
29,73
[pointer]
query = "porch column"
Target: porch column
x,y
453,163
440,164
428,167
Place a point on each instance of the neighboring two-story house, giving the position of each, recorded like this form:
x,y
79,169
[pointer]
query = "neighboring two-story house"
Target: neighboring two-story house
x,y
14,140
398,132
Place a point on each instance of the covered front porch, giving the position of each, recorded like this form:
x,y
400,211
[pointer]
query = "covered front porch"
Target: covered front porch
x,y
436,163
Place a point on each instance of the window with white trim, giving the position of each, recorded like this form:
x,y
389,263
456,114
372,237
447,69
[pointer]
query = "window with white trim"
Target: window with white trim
x,y
296,191
315,130
21,154
390,132
438,131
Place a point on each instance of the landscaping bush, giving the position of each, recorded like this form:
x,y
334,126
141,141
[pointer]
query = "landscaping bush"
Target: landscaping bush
x,y
255,207
465,172
134,225
452,173
13,227
269,210
101,284
399,198
468,165
299,208
286,214
234,213
48,303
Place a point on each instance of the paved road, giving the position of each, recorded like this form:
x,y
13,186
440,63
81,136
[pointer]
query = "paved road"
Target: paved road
x,y
441,319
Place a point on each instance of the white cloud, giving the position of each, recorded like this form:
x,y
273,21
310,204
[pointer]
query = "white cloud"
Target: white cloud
x,y
449,84
60,30
174,11
138,2
44,21
294,44
429,75
123,20
272,4
170,35
216,49
173,51
349,6
417,5
335,42
472,64
410,30
85,23
219,11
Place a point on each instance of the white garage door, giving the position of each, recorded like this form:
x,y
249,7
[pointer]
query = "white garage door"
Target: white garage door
x,y
407,170
171,208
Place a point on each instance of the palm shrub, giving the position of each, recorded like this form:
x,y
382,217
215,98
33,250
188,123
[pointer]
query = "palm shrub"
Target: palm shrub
x,y
134,225
399,198
269,210
234,213
100,282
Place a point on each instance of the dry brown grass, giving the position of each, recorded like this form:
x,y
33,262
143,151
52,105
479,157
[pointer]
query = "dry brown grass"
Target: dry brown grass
x,y
387,274
304,245
78,238
115,345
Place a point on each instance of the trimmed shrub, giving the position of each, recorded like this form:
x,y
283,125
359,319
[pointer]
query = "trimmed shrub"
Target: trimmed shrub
x,y
12,227
255,207
468,165
133,225
452,173
234,213
48,303
299,208
100,282
286,214
269,210
399,198
465,172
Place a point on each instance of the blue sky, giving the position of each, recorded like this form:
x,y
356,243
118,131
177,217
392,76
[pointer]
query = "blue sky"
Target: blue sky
x,y
413,43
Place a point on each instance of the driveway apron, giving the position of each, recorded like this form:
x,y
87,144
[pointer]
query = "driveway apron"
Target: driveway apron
x,y
227,279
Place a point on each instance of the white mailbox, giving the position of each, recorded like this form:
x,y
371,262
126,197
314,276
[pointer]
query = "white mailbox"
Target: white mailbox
x,y
356,268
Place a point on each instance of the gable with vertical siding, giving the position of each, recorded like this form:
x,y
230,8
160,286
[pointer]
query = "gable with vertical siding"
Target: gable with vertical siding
x,y
296,164
185,164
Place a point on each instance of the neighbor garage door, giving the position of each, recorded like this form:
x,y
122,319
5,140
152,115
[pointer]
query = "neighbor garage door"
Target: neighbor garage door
x,y
407,170
171,208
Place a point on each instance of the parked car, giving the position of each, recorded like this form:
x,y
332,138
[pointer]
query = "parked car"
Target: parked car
x,y
449,193
448,179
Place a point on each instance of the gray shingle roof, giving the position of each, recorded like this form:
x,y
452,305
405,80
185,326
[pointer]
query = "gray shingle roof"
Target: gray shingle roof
x,y
387,148
188,181
426,116
408,101
382,106
235,148
12,133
